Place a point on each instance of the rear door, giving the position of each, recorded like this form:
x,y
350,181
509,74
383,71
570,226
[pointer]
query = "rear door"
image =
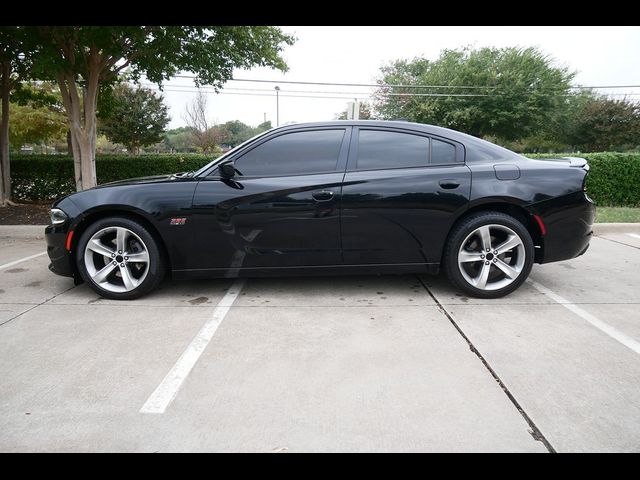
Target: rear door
x,y
401,192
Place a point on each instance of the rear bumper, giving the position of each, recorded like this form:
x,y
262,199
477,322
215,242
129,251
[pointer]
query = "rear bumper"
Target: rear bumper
x,y
569,223
61,261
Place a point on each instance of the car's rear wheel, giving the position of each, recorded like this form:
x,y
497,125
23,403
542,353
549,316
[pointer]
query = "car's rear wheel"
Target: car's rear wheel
x,y
489,255
119,258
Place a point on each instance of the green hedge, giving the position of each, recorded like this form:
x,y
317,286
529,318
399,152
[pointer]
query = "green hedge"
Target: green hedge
x,y
614,179
47,177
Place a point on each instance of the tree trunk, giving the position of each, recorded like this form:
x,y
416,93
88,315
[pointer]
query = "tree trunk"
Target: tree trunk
x,y
5,181
81,116
69,145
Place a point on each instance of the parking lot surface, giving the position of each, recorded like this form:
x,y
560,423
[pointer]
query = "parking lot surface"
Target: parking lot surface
x,y
360,363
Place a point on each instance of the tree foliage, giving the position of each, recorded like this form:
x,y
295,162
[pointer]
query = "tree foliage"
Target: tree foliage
x,y
37,115
36,125
514,91
180,140
83,58
134,117
238,132
601,124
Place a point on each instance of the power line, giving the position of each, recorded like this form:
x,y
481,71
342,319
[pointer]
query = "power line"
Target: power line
x,y
379,85
343,95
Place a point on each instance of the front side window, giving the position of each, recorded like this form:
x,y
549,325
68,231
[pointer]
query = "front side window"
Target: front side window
x,y
296,153
381,149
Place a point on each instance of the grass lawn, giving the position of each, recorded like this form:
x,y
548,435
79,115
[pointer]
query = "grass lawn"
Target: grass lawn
x,y
617,214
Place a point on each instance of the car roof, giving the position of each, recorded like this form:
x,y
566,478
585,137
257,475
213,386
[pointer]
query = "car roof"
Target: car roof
x,y
372,123
480,149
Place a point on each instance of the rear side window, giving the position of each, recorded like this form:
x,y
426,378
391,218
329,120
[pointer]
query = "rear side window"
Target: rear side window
x,y
295,153
442,152
380,149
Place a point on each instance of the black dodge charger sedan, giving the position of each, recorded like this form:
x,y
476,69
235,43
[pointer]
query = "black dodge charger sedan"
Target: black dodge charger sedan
x,y
331,198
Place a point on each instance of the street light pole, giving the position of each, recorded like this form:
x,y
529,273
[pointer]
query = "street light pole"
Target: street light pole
x,y
277,106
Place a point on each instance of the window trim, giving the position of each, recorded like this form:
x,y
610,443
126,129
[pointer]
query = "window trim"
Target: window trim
x,y
355,138
340,165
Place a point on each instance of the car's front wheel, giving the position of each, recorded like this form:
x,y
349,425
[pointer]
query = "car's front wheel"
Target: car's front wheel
x,y
119,258
489,255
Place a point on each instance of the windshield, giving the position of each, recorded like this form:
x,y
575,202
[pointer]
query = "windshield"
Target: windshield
x,y
230,152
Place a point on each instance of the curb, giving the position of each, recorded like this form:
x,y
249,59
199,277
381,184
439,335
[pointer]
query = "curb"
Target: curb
x,y
605,228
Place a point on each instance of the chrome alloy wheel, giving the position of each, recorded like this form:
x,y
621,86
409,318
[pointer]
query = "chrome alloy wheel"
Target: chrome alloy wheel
x,y
116,259
491,257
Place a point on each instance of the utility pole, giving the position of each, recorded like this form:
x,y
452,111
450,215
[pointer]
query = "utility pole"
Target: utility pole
x,y
277,106
265,117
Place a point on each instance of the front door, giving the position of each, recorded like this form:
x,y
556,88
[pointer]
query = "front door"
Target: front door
x,y
281,209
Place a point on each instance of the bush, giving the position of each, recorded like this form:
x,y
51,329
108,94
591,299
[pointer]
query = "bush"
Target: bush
x,y
47,177
614,178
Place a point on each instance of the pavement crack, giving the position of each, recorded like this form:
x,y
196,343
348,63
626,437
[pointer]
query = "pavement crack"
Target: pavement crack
x,y
616,241
38,305
535,431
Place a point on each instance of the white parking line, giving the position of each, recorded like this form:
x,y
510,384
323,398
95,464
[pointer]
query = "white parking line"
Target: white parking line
x,y
11,264
599,324
162,396
634,235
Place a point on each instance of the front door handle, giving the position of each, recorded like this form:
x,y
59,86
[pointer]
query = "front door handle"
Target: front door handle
x,y
449,184
322,195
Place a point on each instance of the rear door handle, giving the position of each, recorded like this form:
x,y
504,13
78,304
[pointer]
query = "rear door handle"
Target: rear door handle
x,y
449,184
322,195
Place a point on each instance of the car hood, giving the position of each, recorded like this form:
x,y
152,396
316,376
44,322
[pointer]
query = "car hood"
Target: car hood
x,y
146,180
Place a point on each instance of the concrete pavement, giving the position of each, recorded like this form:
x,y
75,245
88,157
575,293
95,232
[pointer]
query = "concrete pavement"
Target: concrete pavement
x,y
366,363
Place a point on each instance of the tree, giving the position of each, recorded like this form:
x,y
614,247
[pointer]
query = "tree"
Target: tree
x,y
15,65
206,136
238,132
179,140
33,124
133,117
600,124
83,58
364,112
37,115
508,93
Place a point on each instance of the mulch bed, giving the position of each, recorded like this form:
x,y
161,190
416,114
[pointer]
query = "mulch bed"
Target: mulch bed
x,y
25,214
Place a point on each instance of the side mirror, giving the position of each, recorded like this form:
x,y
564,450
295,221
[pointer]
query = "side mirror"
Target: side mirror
x,y
227,170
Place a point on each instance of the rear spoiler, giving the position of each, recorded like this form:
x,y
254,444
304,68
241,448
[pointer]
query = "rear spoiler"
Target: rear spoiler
x,y
576,162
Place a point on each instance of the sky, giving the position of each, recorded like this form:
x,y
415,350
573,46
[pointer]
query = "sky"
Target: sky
x,y
600,55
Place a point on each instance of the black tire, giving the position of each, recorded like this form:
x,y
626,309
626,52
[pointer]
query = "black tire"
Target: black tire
x,y
156,265
462,230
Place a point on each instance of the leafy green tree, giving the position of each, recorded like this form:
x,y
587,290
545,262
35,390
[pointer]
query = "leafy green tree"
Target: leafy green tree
x,y
134,117
37,115
238,132
179,140
601,124
515,92
81,59
263,127
36,125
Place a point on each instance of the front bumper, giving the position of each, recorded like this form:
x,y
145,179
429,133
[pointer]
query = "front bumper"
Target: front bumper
x,y
569,222
61,259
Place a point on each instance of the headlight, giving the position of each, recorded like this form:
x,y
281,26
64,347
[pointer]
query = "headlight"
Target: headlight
x,y
58,217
